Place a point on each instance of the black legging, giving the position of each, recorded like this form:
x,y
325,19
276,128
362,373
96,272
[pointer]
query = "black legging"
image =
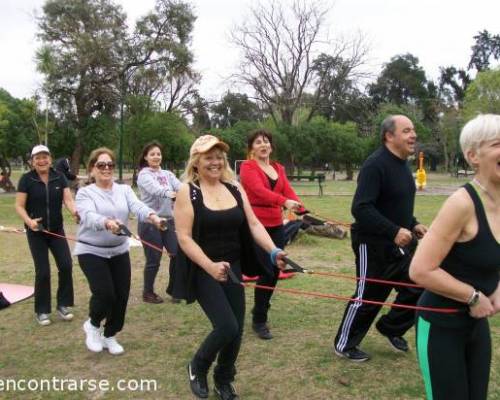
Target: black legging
x,y
224,305
263,296
455,362
109,281
39,244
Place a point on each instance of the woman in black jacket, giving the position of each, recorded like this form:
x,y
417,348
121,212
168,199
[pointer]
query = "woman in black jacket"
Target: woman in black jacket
x,y
40,195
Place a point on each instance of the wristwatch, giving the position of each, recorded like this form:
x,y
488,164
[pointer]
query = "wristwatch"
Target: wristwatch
x,y
474,298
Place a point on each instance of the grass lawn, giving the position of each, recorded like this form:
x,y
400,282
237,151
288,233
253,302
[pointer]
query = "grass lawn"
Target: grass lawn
x,y
160,339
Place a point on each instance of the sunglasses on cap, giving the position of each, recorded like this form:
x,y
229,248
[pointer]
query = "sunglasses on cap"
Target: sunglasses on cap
x,y
101,165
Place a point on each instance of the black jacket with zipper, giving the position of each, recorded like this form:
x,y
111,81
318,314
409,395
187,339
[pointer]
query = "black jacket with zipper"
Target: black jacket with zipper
x,y
44,200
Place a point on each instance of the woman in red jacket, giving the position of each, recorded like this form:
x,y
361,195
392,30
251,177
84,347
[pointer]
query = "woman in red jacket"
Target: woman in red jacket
x,y
268,191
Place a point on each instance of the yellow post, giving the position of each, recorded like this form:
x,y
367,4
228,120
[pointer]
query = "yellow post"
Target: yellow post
x,y
421,176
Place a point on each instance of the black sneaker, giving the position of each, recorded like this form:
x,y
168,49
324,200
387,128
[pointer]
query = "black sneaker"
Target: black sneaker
x,y
225,391
43,319
262,330
398,343
65,313
198,383
354,354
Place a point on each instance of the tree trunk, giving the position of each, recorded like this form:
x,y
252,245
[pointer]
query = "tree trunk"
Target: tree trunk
x,y
446,156
76,156
349,172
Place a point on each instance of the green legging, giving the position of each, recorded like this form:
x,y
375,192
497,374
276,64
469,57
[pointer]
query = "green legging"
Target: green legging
x,y
455,362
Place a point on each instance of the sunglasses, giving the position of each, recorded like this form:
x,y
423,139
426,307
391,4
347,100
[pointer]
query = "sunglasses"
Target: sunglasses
x,y
101,165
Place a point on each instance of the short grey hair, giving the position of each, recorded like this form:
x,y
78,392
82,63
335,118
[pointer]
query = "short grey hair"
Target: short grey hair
x,y
388,125
483,128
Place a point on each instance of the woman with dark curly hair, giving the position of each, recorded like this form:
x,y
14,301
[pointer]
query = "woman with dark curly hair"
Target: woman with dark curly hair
x,y
268,191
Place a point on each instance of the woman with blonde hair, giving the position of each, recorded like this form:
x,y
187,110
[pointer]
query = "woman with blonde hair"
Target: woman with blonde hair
x,y
458,263
103,255
216,228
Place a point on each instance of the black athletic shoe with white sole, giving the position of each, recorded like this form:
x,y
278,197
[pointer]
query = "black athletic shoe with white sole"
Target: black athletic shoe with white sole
x,y
225,391
398,343
354,354
198,383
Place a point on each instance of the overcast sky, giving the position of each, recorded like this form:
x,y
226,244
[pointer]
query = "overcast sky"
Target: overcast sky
x,y
438,32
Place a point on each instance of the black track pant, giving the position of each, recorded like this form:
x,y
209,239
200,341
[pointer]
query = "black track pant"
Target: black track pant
x,y
263,296
39,244
109,281
372,262
162,239
455,362
224,305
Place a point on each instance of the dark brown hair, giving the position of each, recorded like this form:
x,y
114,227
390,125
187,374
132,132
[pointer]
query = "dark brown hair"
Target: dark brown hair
x,y
145,150
254,135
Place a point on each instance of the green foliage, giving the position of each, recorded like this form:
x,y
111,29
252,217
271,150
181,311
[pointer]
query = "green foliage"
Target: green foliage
x,y
487,46
319,141
452,85
167,128
234,107
483,94
18,125
88,55
236,138
337,96
402,81
349,147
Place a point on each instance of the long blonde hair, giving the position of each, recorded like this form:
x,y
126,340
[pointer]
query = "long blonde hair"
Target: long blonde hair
x,y
191,175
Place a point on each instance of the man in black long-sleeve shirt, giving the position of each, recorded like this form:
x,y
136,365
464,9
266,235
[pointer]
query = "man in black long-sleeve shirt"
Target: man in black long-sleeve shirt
x,y
62,165
383,240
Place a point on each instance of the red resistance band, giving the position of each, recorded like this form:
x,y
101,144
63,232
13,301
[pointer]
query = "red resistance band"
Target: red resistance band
x,y
345,298
303,292
131,234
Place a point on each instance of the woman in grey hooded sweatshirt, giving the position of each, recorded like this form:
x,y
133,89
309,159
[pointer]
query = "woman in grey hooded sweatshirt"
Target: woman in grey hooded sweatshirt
x,y
157,188
104,207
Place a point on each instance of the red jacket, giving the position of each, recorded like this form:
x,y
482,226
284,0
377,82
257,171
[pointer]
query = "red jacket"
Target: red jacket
x,y
266,202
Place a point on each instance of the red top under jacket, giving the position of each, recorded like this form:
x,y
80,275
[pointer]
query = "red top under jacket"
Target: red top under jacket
x,y
266,202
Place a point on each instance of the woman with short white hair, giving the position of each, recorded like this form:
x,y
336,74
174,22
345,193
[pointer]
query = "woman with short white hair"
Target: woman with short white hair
x,y
458,263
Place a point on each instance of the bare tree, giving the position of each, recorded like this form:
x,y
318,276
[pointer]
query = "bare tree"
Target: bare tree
x,y
171,87
278,47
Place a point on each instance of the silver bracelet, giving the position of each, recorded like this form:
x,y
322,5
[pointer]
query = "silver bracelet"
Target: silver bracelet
x,y
474,298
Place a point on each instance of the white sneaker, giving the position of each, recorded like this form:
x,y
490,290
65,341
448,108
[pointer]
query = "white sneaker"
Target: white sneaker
x,y
93,339
43,319
112,345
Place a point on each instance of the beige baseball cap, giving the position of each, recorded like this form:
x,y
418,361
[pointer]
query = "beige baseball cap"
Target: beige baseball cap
x,y
39,148
205,143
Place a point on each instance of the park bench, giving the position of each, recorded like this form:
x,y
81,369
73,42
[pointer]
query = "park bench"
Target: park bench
x,y
320,178
463,172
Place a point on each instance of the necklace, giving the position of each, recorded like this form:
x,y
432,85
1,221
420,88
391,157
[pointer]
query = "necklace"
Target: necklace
x,y
216,194
484,190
